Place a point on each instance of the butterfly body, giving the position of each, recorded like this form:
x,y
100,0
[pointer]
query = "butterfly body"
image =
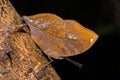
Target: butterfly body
x,y
59,38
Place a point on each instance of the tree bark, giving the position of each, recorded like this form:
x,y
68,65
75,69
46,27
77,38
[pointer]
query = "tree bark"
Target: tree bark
x,y
20,58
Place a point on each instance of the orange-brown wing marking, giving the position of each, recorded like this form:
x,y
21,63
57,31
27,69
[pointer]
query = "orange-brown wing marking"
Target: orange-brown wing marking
x,y
49,23
77,40
79,37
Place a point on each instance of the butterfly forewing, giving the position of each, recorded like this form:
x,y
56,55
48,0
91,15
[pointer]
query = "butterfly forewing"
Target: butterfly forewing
x,y
49,23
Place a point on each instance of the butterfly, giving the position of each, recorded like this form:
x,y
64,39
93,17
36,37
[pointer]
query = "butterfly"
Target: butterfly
x,y
59,38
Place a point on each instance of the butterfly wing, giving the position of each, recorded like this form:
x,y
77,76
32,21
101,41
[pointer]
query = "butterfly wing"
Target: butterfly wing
x,y
49,23
79,37
77,40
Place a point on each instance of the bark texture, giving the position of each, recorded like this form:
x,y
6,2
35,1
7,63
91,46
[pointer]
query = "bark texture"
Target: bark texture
x,y
20,58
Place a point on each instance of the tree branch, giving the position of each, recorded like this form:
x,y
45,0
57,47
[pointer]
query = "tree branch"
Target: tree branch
x,y
20,58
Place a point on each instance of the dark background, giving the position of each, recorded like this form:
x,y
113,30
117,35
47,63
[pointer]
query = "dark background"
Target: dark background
x,y
101,61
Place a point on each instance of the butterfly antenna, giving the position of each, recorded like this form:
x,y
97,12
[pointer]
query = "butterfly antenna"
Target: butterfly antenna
x,y
74,62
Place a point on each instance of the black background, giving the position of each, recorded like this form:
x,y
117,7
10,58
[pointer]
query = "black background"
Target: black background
x,y
101,61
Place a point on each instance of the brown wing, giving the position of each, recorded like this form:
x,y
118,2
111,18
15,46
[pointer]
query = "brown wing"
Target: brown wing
x,y
77,40
49,23
79,37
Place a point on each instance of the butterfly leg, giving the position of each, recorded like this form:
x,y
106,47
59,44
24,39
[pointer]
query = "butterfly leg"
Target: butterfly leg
x,y
48,62
39,72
